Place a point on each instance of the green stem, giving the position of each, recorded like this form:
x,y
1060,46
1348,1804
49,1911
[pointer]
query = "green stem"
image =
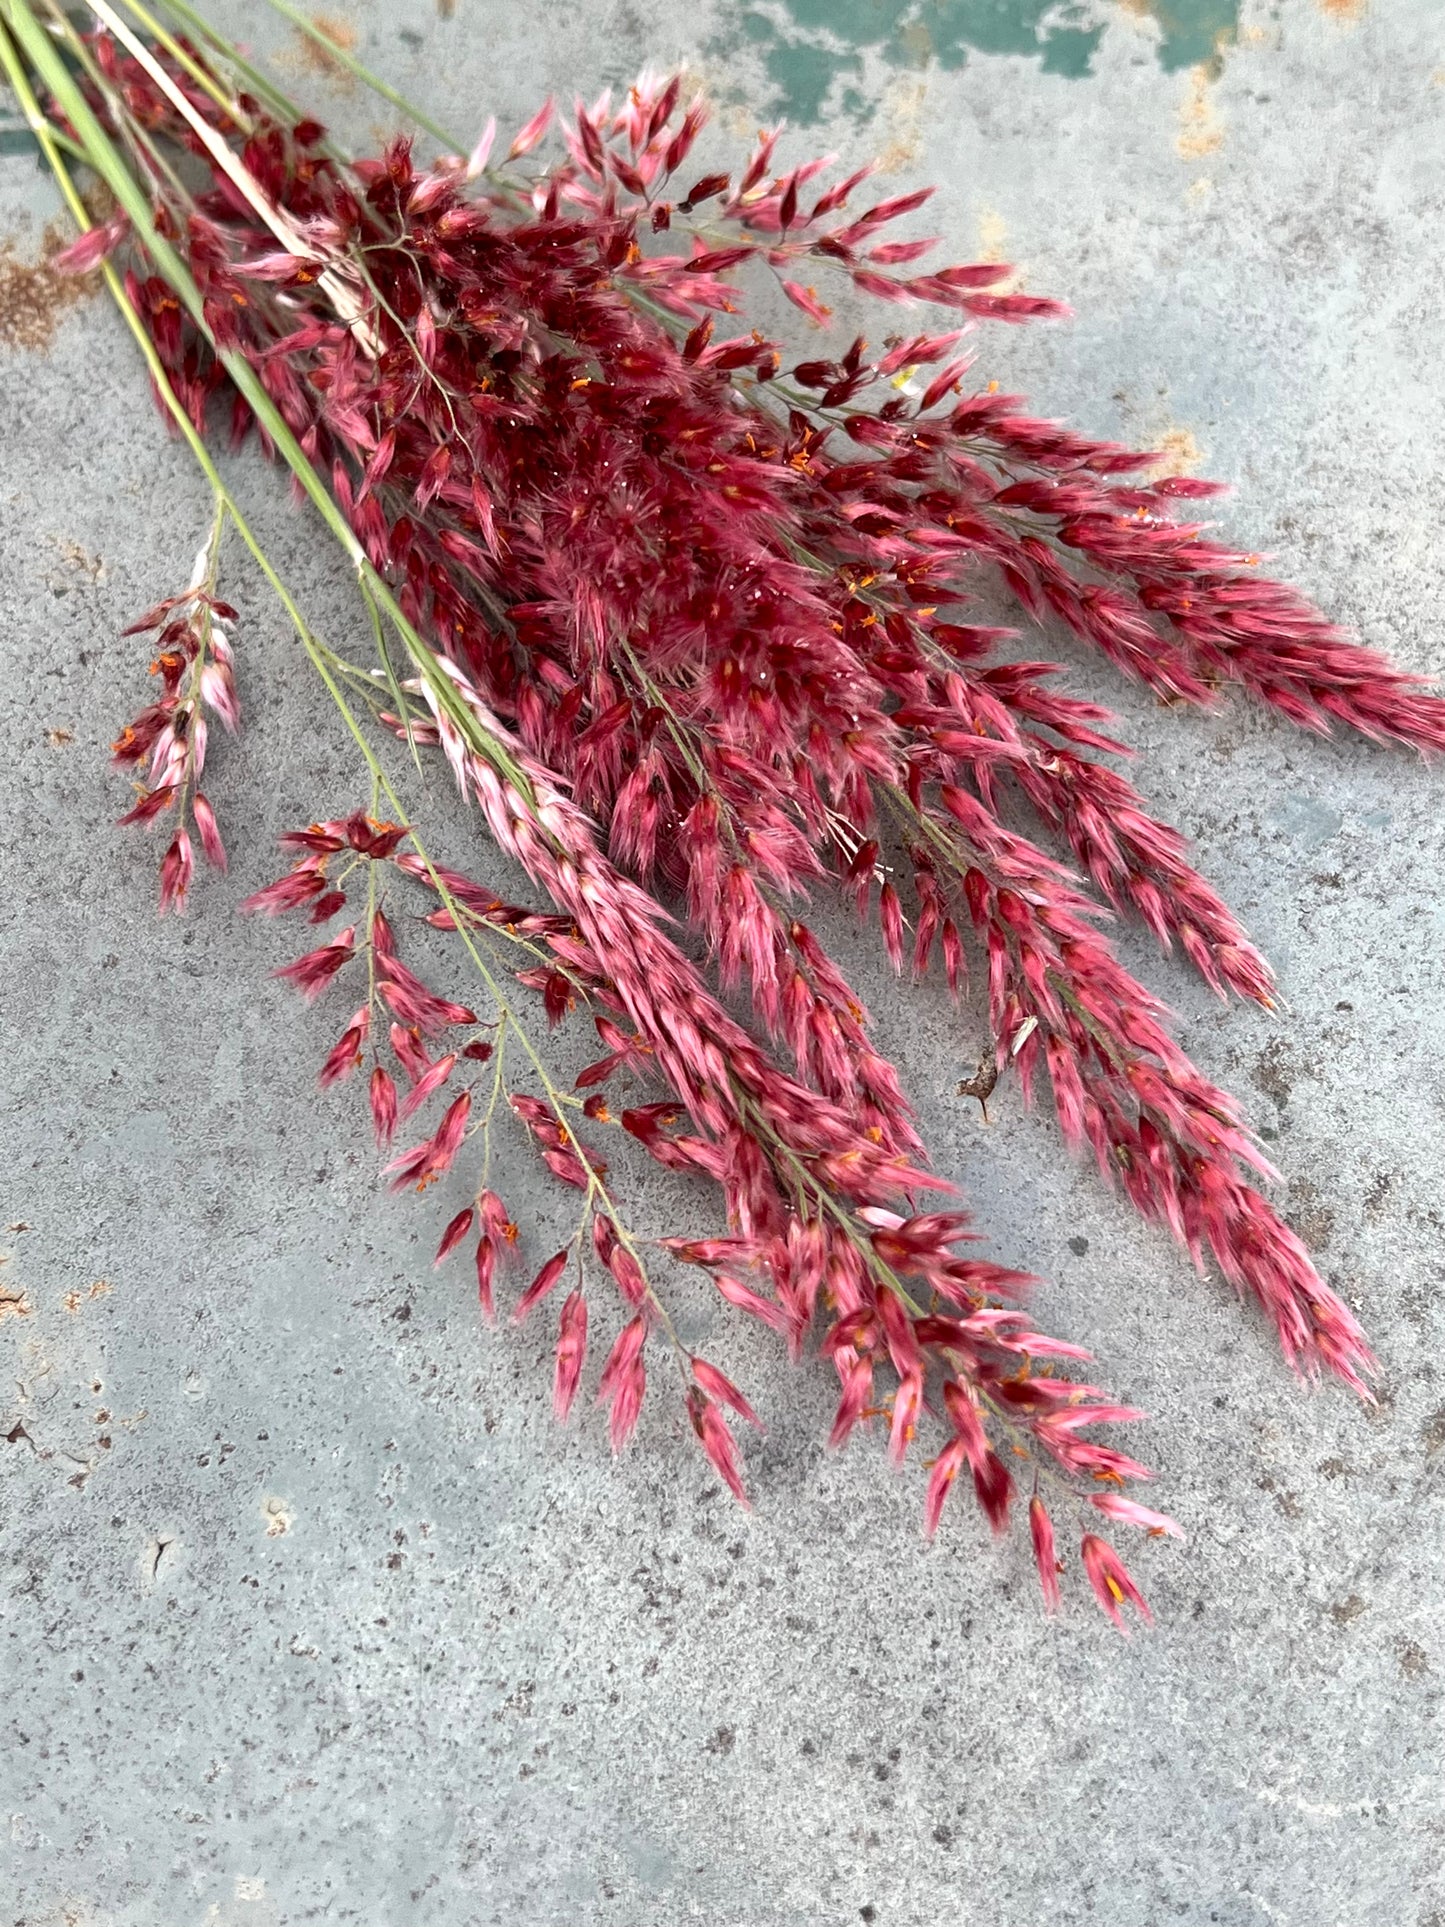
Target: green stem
x,y
205,588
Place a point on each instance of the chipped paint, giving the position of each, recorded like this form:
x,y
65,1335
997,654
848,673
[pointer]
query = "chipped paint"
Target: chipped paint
x,y
1192,33
815,53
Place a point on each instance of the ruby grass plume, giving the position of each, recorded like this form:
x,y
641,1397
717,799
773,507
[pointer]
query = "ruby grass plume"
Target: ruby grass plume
x,y
688,617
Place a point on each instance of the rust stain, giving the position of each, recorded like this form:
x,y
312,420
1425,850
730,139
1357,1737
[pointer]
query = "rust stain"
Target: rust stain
x,y
33,297
80,558
992,235
1347,11
1199,132
312,58
15,1305
903,108
1179,454
73,1300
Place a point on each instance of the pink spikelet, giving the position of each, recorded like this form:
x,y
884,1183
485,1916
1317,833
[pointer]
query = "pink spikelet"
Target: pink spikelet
x,y
176,867
313,972
717,1442
382,1094
455,1232
1041,1532
624,1382
345,1055
425,1162
571,1352
1113,1588
721,1389
544,1281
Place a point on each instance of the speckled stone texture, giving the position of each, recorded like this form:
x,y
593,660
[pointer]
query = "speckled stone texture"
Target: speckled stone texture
x,y
309,1611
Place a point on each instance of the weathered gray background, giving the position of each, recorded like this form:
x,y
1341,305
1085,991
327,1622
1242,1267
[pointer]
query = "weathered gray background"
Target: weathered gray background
x,y
309,1611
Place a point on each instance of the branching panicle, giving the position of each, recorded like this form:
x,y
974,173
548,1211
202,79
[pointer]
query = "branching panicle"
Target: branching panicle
x,y
689,620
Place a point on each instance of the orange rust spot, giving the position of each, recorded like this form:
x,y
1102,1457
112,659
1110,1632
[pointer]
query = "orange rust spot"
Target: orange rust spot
x,y
315,58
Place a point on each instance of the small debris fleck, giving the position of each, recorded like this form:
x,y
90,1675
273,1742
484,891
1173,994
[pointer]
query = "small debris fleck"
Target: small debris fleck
x,y
278,1517
981,1084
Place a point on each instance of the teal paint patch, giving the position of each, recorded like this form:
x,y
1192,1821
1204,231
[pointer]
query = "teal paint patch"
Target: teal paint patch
x,y
1193,32
1070,51
802,70
16,139
809,47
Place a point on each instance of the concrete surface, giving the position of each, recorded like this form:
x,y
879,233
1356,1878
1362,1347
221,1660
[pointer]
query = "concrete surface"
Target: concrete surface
x,y
309,1611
